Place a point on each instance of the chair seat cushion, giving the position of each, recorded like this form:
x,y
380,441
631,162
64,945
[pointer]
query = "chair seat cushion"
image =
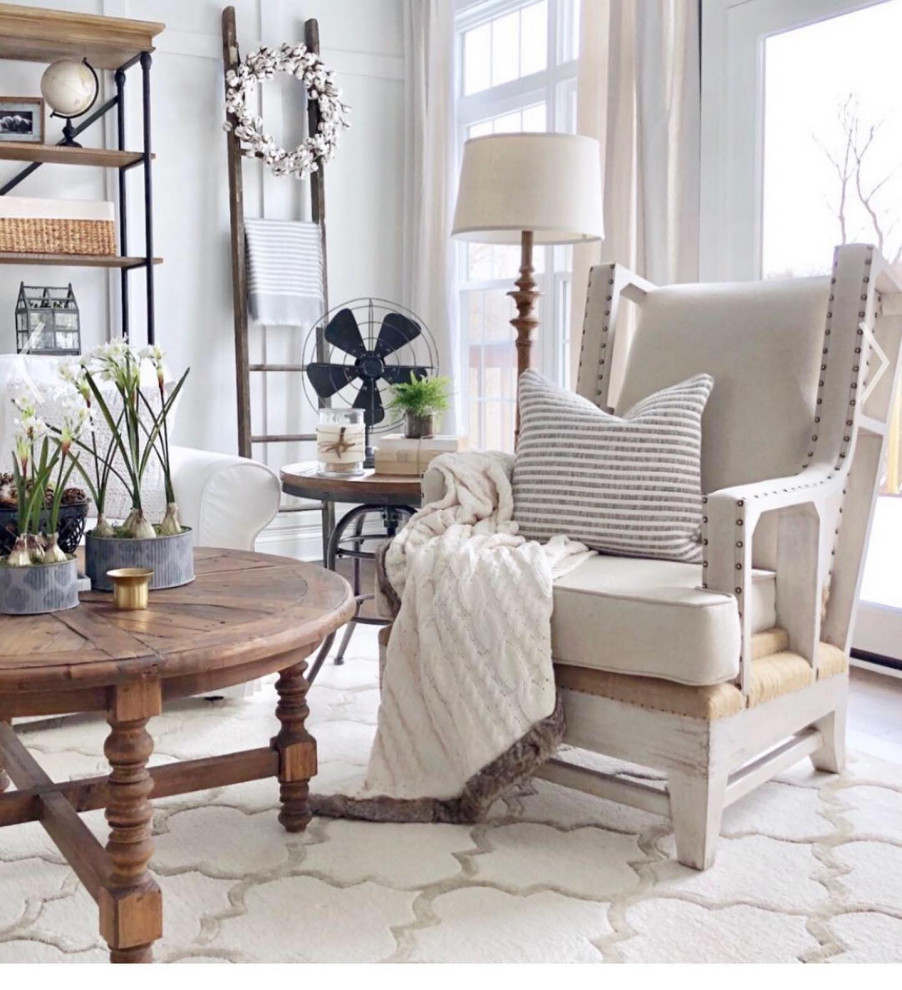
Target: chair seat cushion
x,y
652,618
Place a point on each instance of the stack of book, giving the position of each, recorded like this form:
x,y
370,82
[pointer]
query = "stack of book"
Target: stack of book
x,y
396,454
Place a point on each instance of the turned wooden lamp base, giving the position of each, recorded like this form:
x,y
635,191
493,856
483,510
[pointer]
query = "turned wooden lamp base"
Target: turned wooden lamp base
x,y
525,322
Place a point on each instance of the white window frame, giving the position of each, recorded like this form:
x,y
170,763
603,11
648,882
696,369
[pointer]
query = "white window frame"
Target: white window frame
x,y
554,86
732,124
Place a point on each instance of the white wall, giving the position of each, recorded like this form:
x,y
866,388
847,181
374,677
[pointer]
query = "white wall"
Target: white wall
x,y
362,42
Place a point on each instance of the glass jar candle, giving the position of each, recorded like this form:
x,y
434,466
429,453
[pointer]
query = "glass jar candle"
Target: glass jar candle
x,y
340,442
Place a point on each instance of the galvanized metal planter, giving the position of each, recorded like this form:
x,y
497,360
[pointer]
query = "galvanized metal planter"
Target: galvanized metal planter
x,y
38,588
171,558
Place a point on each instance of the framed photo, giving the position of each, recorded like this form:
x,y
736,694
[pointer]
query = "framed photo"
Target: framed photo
x,y
22,119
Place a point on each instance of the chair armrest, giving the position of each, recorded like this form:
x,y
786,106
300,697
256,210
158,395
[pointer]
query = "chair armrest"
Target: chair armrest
x,y
728,525
434,487
226,500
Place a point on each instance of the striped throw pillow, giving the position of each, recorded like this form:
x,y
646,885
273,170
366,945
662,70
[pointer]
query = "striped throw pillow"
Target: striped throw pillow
x,y
628,485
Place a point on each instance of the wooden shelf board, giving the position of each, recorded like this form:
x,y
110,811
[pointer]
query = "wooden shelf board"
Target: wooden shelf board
x,y
74,260
22,151
35,34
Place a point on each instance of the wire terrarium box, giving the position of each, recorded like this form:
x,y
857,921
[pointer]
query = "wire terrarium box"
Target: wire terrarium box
x,y
47,320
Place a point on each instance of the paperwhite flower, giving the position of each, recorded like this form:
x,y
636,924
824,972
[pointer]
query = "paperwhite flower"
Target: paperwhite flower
x,y
78,420
32,427
116,362
72,373
155,353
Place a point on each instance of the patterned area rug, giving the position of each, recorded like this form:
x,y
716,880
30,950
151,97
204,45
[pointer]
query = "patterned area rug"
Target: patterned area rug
x,y
809,869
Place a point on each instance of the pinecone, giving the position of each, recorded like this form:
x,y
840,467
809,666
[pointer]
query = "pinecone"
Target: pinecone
x,y
8,494
74,496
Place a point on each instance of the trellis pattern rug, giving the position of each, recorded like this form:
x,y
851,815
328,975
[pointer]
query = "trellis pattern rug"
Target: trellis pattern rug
x,y
809,869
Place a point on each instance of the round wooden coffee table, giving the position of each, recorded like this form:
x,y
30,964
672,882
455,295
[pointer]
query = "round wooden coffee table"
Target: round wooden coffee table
x,y
246,615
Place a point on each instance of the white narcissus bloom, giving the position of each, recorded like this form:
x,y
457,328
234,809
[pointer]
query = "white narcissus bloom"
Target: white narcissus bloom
x,y
116,362
78,419
32,427
72,373
23,452
25,398
157,356
154,353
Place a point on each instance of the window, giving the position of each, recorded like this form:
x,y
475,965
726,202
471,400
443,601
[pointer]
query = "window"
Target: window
x,y
516,72
803,150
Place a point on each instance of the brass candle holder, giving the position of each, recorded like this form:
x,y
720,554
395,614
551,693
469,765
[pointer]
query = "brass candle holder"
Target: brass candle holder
x,y
130,587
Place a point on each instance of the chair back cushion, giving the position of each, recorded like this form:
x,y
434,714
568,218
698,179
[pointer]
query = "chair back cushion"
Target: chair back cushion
x,y
761,342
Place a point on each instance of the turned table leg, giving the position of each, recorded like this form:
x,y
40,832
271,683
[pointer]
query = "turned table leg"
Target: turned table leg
x,y
297,748
4,779
131,909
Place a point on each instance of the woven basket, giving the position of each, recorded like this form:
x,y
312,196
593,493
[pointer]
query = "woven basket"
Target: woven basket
x,y
40,235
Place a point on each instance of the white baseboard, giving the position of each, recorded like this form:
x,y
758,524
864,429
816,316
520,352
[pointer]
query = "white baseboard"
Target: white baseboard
x,y
286,536
877,668
300,535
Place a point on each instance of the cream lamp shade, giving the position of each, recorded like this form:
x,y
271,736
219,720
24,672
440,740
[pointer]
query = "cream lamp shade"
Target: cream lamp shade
x,y
549,184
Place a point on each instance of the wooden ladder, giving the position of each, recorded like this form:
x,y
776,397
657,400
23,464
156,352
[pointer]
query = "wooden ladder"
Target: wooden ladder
x,y
243,368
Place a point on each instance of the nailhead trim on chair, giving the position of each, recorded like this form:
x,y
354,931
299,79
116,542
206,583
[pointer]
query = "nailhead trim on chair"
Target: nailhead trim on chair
x,y
603,362
582,349
815,434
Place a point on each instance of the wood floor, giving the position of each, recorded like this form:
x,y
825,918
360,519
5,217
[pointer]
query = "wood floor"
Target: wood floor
x,y
875,715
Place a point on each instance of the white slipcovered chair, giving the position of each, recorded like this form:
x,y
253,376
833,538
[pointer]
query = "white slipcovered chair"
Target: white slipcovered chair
x,y
724,674
226,500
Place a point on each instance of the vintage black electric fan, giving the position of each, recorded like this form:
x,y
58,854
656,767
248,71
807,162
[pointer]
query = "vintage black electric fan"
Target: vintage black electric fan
x,y
357,350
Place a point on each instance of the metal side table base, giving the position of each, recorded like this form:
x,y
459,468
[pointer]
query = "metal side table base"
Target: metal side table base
x,y
393,518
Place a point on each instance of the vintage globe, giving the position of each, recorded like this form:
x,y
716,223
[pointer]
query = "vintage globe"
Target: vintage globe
x,y
69,87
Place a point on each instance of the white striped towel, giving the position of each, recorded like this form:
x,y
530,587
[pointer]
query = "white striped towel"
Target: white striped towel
x,y
284,272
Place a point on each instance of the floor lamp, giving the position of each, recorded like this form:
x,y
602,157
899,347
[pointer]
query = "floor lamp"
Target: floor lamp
x,y
529,189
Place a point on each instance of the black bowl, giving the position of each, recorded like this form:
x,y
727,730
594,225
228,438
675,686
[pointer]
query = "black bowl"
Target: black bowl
x,y
70,527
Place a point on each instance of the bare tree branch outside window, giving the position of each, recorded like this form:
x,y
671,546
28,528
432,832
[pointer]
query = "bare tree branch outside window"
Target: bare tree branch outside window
x,y
868,200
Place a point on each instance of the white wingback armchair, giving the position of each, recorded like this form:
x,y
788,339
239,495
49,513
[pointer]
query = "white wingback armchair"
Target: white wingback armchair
x,y
226,500
725,674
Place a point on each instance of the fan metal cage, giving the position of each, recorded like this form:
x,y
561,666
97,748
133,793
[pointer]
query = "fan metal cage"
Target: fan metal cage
x,y
354,353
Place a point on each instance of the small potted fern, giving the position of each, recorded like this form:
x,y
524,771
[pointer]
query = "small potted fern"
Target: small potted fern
x,y
421,400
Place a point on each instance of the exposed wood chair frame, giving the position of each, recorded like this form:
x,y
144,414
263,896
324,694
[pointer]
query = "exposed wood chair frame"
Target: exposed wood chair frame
x,y
712,763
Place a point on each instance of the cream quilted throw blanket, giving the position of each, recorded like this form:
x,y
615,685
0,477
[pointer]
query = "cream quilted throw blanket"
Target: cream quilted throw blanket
x,y
468,706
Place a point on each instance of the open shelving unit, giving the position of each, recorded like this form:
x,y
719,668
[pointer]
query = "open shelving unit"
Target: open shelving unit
x,y
114,43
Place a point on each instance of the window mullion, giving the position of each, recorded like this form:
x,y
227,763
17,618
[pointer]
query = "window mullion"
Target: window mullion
x,y
550,87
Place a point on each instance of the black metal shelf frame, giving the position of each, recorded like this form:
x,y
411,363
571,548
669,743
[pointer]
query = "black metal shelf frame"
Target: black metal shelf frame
x,y
118,102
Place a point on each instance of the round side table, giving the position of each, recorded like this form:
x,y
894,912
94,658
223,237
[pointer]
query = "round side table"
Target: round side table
x,y
392,497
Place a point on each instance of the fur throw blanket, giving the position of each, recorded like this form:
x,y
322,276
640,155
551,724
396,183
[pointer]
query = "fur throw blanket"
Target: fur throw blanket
x,y
468,703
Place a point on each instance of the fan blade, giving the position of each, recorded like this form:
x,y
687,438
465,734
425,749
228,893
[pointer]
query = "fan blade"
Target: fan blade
x,y
342,332
370,401
399,374
327,379
395,332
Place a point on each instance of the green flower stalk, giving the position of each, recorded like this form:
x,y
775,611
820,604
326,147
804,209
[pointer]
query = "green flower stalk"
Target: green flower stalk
x,y
43,462
136,437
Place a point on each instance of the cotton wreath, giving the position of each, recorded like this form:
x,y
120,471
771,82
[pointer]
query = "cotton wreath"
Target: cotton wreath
x,y
297,60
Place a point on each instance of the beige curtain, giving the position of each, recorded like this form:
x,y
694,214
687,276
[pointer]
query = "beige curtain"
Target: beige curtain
x,y
429,276
639,93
